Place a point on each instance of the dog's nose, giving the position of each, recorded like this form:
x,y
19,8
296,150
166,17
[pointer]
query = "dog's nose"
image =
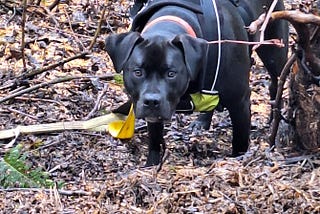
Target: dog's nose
x,y
151,101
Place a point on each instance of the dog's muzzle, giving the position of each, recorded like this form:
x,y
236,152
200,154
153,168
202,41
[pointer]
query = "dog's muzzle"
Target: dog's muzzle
x,y
153,108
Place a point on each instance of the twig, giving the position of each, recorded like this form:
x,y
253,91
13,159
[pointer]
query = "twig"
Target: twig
x,y
50,67
72,31
253,27
41,85
277,103
66,33
24,5
96,106
53,5
294,160
13,141
265,23
75,192
93,41
230,199
22,113
252,161
39,99
164,157
49,14
13,15
62,192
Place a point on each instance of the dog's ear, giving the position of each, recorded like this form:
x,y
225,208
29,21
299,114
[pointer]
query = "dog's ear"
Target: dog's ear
x,y
120,46
194,51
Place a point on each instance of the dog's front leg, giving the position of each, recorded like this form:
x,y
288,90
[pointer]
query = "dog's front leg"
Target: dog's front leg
x,y
156,141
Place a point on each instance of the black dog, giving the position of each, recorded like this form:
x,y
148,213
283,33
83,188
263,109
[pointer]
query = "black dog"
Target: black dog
x,y
167,62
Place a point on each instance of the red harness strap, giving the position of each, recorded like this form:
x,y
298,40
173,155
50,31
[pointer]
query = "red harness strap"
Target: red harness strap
x,y
175,19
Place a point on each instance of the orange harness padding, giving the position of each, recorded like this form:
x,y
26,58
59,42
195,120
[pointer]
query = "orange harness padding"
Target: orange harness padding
x,y
175,19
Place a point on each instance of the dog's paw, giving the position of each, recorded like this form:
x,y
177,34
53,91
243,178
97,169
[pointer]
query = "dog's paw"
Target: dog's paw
x,y
203,122
238,154
153,158
199,125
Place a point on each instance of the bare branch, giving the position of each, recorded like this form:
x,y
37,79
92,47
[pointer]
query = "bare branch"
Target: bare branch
x,y
277,103
24,3
44,84
98,29
50,67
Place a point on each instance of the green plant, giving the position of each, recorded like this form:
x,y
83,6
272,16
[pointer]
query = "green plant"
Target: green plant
x,y
15,172
118,78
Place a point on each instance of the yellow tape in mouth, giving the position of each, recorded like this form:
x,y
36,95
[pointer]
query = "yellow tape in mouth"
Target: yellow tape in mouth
x,y
123,129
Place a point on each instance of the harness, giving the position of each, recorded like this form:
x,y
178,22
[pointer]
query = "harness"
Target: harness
x,y
201,95
174,19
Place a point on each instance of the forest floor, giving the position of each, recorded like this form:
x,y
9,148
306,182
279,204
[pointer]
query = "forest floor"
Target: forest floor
x,y
101,174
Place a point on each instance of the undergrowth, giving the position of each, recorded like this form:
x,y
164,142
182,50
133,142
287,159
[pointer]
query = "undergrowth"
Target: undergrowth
x,y
15,172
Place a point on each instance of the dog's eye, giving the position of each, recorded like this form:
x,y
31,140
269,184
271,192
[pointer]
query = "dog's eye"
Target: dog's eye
x,y
172,74
137,73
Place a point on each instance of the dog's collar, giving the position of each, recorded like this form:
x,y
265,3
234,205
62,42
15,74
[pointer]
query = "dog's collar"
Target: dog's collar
x,y
175,19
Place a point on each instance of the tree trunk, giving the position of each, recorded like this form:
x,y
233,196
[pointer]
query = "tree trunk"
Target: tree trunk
x,y
305,108
302,111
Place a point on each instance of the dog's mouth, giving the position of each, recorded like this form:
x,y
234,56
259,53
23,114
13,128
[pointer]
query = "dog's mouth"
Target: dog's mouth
x,y
161,113
156,119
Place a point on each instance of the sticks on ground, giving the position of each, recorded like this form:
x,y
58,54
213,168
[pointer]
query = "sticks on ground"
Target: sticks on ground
x,y
41,85
62,192
52,66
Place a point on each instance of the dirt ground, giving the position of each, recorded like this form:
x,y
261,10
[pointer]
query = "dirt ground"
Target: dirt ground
x,y
101,174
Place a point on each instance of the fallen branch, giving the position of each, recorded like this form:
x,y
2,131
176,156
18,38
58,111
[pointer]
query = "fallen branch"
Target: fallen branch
x,y
62,192
50,67
44,84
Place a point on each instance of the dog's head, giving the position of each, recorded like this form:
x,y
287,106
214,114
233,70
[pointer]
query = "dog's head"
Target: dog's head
x,y
156,71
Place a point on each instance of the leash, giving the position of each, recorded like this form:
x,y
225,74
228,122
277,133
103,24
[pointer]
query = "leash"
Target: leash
x,y
219,44
213,91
